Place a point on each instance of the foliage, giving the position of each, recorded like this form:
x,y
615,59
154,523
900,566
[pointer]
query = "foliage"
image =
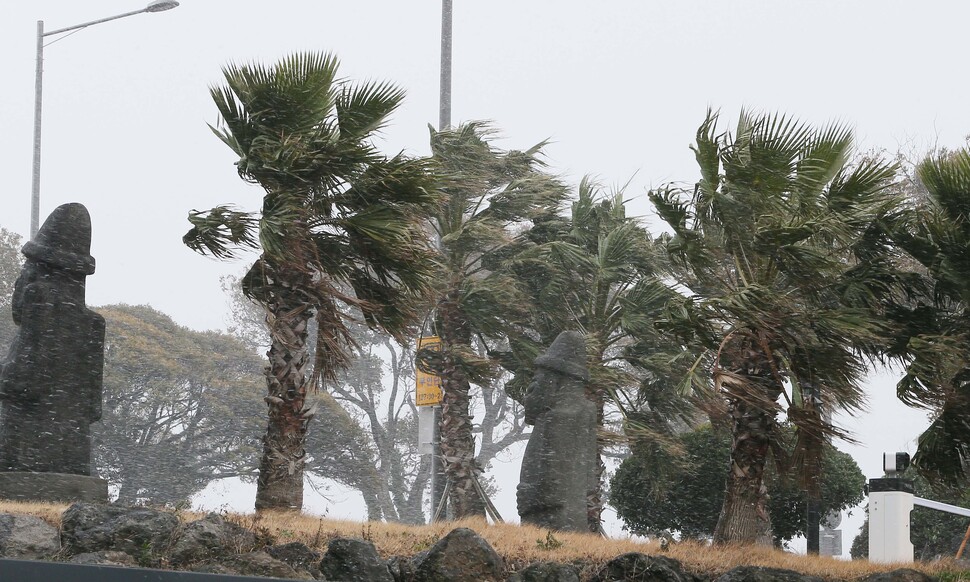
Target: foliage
x,y
933,321
11,262
783,273
181,407
488,193
594,271
334,205
933,533
681,489
336,213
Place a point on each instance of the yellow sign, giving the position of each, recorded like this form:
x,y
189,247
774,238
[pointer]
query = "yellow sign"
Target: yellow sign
x,y
428,390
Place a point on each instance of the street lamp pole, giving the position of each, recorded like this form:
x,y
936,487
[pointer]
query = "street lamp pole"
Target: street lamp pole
x,y
157,6
444,99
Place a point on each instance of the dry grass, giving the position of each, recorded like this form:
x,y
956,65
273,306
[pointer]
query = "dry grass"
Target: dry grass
x,y
521,545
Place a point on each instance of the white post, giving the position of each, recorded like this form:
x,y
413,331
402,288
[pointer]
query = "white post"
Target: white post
x,y
889,527
890,503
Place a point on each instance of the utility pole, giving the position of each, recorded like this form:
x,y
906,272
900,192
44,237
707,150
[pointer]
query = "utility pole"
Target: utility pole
x,y
444,102
438,477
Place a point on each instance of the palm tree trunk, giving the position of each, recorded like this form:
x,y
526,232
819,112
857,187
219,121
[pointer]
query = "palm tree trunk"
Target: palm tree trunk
x,y
594,496
280,482
744,516
457,442
596,393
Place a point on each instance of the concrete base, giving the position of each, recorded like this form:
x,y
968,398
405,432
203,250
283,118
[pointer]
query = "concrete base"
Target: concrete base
x,y
52,487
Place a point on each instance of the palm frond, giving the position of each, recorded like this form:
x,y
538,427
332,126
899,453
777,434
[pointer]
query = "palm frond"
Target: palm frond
x,y
220,231
363,109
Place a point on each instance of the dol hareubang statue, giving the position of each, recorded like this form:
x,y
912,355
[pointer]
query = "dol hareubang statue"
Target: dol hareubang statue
x,y
50,383
559,464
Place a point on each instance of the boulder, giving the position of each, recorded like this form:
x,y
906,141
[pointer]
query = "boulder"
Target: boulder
x,y
760,574
298,556
354,560
637,567
26,537
107,558
900,575
211,536
139,531
250,564
546,572
402,568
460,556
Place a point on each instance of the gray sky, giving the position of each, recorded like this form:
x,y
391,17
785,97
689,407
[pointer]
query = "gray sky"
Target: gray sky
x,y
619,88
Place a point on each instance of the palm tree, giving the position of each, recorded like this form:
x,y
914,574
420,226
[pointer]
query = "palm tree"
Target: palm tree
x,y
774,293
594,273
487,193
336,211
933,327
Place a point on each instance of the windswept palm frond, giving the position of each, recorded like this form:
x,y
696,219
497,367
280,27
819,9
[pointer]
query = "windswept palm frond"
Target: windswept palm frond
x,y
766,249
221,231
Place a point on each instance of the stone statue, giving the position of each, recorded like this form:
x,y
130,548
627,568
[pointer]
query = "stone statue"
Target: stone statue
x,y
50,383
559,463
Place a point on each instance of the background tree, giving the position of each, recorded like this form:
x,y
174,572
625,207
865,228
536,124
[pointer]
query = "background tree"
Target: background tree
x,y
181,407
487,193
336,211
681,488
594,272
774,252
11,261
367,438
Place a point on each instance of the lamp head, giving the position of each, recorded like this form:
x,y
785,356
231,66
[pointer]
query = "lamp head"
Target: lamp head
x,y
895,463
161,5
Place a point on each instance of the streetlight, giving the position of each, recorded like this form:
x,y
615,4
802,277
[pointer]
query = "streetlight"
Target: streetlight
x,y
156,6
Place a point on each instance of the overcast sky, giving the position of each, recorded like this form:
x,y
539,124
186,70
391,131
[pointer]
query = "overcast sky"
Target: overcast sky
x,y
618,87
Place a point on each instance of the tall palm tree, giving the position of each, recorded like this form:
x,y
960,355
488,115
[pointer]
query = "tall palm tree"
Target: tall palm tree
x,y
765,253
594,272
488,193
933,331
336,211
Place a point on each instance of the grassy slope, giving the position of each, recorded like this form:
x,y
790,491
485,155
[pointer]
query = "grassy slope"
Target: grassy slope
x,y
521,545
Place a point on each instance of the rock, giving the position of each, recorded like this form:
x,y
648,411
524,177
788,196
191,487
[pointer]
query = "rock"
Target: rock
x,y
900,575
107,558
211,536
402,568
26,537
546,572
298,556
460,556
636,567
138,531
759,574
251,564
354,560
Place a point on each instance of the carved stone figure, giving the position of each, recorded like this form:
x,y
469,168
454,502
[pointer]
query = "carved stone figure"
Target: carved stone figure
x,y
50,383
559,463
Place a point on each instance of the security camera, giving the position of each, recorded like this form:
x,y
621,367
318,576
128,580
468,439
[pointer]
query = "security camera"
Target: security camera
x,y
895,463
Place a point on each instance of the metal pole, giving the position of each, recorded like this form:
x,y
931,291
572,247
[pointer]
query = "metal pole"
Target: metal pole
x,y
157,6
439,485
444,103
38,98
